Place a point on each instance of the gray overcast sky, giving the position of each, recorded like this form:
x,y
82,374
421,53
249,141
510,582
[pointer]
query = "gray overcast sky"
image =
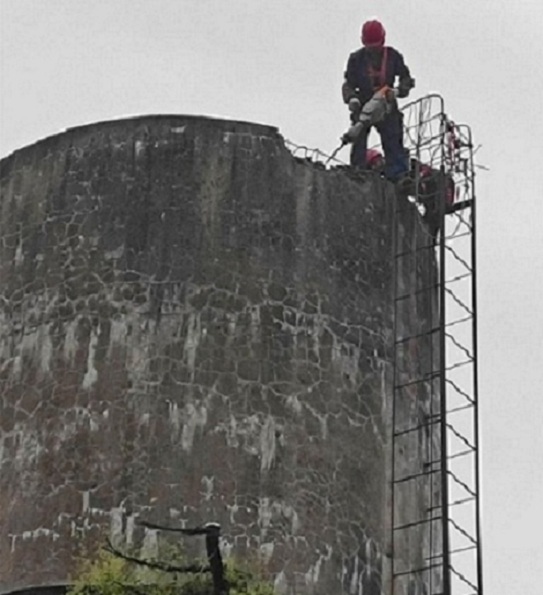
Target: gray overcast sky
x,y
69,62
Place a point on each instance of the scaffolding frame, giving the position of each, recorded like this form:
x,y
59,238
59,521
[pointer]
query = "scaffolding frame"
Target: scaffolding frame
x,y
435,419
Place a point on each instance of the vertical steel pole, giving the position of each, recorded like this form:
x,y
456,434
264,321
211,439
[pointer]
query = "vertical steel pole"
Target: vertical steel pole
x,y
475,368
443,372
395,272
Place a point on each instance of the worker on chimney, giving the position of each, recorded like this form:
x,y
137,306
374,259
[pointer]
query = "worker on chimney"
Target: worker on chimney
x,y
369,69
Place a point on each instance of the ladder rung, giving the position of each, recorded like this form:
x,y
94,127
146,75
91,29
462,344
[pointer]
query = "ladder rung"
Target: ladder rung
x,y
461,364
461,501
416,476
456,455
418,381
419,249
457,236
460,206
419,336
452,504
458,278
453,552
463,549
415,428
418,292
462,408
459,321
415,570
416,523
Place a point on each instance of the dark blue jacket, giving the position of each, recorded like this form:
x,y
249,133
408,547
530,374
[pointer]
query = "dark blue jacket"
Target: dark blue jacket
x,y
365,73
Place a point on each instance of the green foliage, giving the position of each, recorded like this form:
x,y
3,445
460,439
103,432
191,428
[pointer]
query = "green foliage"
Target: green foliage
x,y
244,580
108,574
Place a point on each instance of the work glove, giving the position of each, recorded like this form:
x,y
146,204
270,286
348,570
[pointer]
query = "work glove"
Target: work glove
x,y
354,105
405,87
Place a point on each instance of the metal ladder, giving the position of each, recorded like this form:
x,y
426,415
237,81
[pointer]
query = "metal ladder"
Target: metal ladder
x,y
434,474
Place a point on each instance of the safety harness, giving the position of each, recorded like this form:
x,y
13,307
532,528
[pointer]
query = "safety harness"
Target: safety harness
x,y
378,77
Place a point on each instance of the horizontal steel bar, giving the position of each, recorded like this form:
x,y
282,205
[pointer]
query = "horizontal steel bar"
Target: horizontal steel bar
x,y
464,204
459,365
419,336
463,453
459,321
458,278
462,408
462,501
416,476
456,236
415,251
416,523
418,380
415,428
415,570
452,552
450,457
425,289
452,504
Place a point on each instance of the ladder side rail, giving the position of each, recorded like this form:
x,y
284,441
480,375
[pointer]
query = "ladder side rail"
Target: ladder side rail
x,y
471,170
443,375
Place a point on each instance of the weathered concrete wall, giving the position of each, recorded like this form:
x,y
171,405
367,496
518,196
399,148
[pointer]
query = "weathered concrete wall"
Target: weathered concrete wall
x,y
194,326
417,491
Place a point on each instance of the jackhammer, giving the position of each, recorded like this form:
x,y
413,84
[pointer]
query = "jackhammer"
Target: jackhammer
x,y
373,111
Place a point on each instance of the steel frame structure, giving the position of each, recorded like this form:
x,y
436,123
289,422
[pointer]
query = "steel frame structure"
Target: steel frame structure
x,y
435,425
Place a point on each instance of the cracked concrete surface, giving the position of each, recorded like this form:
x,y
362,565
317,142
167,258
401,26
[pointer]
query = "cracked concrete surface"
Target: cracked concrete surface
x,y
194,326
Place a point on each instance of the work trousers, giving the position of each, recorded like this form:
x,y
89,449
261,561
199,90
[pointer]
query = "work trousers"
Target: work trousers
x,y
391,133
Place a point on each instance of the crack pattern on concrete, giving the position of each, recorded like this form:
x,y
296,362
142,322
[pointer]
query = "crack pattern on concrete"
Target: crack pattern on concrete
x,y
194,326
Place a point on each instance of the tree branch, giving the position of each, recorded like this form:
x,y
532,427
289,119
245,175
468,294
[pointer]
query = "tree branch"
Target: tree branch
x,y
164,566
205,530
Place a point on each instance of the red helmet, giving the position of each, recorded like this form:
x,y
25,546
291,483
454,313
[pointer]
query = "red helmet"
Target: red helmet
x,y
374,158
373,34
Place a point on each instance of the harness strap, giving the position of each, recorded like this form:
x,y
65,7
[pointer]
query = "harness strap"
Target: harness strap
x,y
379,75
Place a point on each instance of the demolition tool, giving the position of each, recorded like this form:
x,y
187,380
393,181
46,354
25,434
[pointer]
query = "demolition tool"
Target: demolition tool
x,y
373,111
